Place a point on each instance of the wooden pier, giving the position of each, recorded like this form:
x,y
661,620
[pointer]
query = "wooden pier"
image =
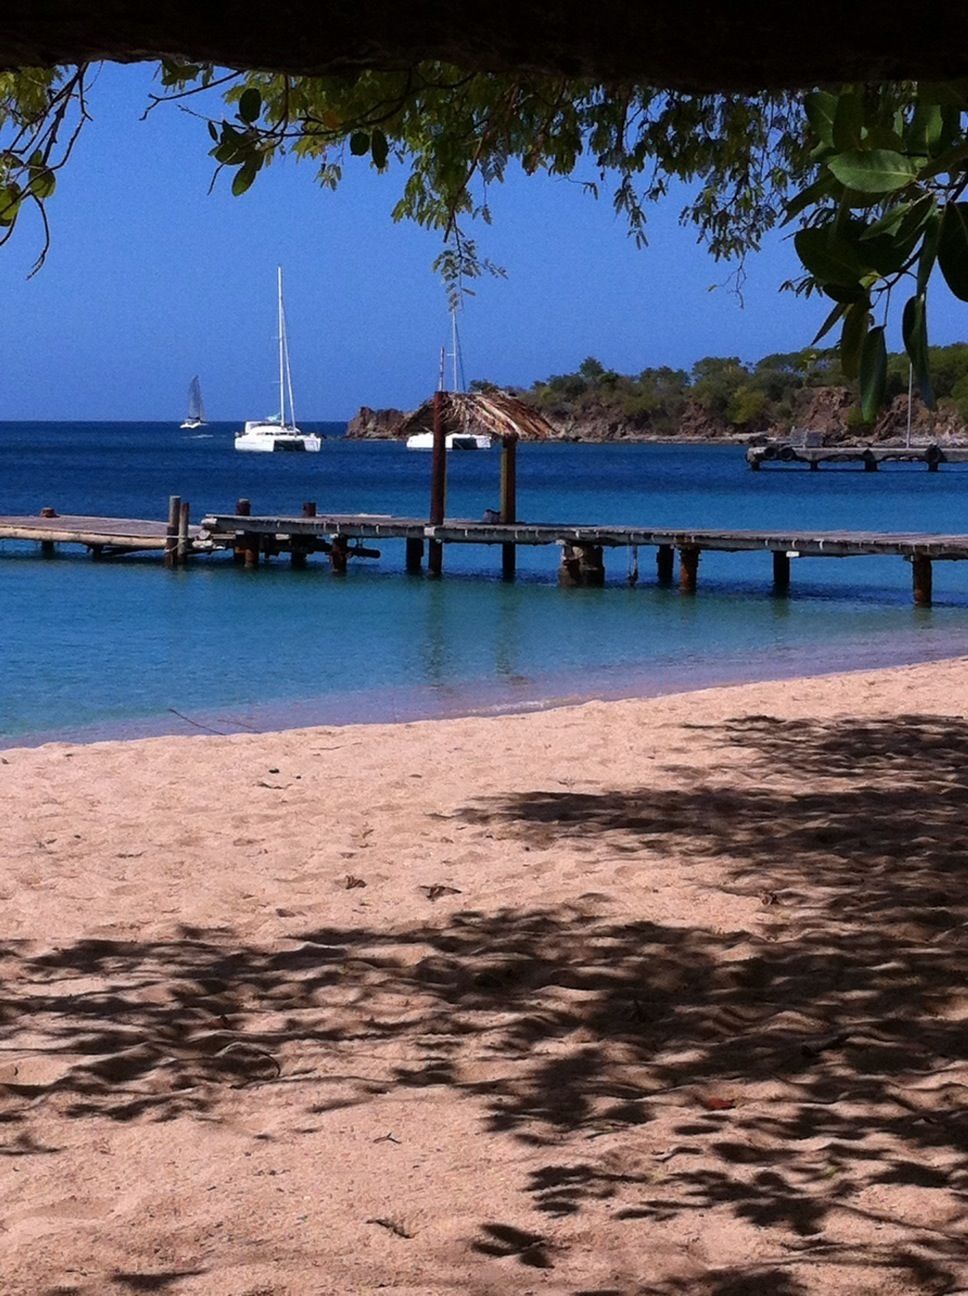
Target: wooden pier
x,y
869,457
252,539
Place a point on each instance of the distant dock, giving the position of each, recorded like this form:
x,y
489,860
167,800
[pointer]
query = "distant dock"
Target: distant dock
x,y
869,457
251,540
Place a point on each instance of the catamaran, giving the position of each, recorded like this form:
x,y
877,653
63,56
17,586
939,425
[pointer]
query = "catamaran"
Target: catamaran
x,y
196,407
276,432
454,440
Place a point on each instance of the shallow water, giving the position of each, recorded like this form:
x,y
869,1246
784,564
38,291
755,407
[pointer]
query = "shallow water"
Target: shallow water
x,y
99,649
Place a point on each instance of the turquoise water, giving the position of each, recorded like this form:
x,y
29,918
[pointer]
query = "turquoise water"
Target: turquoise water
x,y
126,647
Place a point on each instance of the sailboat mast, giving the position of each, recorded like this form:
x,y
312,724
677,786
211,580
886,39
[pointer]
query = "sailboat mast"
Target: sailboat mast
x,y
282,352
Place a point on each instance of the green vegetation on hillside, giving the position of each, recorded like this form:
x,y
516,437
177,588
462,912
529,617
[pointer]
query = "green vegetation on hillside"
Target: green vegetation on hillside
x,y
727,391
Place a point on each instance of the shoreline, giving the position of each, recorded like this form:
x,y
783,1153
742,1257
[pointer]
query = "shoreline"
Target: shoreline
x,y
666,991
403,706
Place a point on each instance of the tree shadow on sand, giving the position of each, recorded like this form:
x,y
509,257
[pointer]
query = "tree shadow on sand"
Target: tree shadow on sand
x,y
795,1077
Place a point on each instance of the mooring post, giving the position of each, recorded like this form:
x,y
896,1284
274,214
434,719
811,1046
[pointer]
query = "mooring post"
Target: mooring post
x,y
781,572
184,544
438,487
665,557
338,554
509,501
414,558
814,465
47,549
688,568
870,461
921,579
171,530
300,546
243,508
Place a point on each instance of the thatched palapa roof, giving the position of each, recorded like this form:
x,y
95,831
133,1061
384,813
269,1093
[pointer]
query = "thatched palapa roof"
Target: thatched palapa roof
x,y
495,412
690,45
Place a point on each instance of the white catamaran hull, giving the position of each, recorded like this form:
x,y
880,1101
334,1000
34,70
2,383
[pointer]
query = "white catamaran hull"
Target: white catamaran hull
x,y
267,438
454,441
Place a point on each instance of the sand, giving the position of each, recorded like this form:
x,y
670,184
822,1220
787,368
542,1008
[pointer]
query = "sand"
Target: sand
x,y
663,996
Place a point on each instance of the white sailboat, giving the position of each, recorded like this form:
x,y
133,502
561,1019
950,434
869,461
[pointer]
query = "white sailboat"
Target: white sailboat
x,y
454,440
278,433
196,407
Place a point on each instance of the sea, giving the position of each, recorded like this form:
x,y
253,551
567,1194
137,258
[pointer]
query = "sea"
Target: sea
x,y
125,648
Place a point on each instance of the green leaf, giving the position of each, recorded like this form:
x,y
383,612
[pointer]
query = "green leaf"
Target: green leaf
x,y
848,122
244,177
948,94
250,105
830,321
213,131
828,257
820,107
914,328
873,171
924,132
379,149
820,188
953,249
852,335
42,184
846,294
359,143
929,249
873,373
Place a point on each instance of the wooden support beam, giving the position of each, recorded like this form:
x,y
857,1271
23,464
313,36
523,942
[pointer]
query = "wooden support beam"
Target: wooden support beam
x,y
688,568
309,508
414,557
251,546
665,557
184,543
438,487
781,572
581,564
814,465
509,502
47,549
921,580
171,530
870,461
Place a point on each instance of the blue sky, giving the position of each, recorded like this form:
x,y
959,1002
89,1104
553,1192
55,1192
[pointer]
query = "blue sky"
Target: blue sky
x,y
150,279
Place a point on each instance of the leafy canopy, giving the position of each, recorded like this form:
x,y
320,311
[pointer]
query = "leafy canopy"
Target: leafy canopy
x,y
870,178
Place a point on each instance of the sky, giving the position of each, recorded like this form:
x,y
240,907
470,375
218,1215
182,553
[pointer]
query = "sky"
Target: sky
x,y
151,279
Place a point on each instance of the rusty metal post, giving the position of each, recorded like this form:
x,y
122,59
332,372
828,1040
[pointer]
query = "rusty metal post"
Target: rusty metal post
x,y
921,579
438,487
781,572
338,554
509,502
243,508
184,543
688,568
171,530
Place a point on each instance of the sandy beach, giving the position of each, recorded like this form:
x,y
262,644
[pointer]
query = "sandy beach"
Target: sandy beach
x,y
663,996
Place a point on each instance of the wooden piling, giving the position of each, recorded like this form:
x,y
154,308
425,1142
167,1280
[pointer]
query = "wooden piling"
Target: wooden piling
x,y
414,558
309,508
184,544
781,572
665,557
171,530
581,564
338,554
509,501
921,579
870,461
688,568
47,549
438,488
243,508
814,465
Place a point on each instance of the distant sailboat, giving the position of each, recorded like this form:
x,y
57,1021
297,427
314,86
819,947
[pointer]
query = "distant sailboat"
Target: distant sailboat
x,y
278,432
465,440
196,407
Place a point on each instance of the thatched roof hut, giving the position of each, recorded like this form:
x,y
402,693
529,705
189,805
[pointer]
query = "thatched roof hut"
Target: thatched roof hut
x,y
494,412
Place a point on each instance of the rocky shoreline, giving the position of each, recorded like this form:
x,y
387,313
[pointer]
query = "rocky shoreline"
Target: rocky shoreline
x,y
829,413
